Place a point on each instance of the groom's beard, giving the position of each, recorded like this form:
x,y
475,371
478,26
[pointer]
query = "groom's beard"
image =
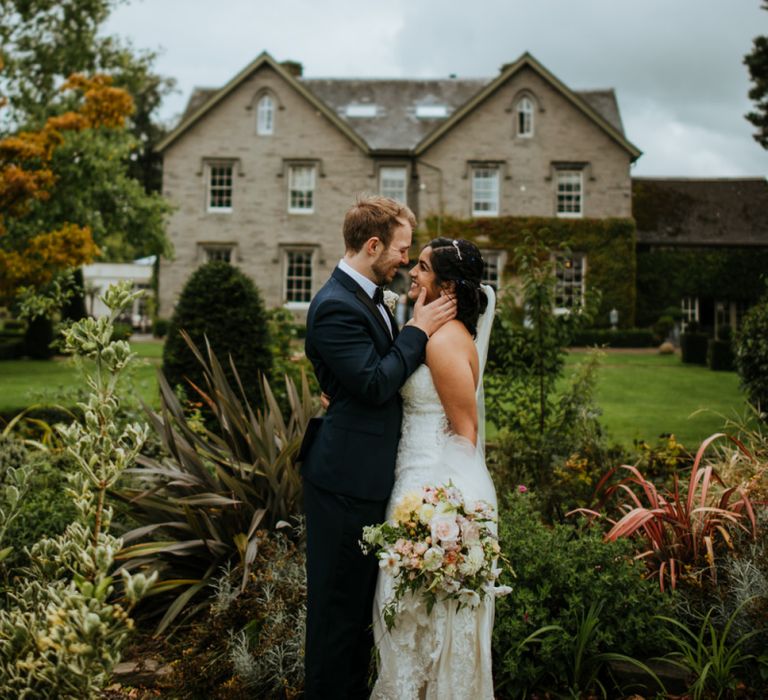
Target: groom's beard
x,y
383,271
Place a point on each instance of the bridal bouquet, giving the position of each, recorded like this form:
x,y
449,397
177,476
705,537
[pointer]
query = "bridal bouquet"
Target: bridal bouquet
x,y
437,545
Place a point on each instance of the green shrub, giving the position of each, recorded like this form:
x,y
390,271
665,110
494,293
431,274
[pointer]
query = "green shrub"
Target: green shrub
x,y
663,327
619,338
720,355
11,348
693,347
160,327
560,572
122,331
751,355
38,339
47,508
250,644
221,304
14,325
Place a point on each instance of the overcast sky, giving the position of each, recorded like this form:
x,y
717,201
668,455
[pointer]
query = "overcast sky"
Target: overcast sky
x,y
676,65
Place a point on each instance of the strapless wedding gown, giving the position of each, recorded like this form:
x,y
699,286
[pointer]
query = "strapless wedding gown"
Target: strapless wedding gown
x,y
444,655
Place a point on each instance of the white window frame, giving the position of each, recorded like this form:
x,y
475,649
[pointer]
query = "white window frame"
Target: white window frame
x,y
431,111
524,118
689,306
489,195
211,186
568,197
304,190
361,111
265,116
287,253
398,191
570,281
493,267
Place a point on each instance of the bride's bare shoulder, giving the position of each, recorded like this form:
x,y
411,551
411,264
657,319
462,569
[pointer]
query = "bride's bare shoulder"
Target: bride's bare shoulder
x,y
453,336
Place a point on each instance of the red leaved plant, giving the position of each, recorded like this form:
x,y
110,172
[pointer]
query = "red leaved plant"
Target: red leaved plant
x,y
679,527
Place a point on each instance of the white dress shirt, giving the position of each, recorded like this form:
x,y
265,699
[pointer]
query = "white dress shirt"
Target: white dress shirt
x,y
369,288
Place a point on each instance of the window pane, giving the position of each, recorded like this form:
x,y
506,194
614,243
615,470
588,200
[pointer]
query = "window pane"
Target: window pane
x,y
491,269
220,186
569,287
392,183
266,116
525,117
485,191
569,192
298,276
218,253
302,188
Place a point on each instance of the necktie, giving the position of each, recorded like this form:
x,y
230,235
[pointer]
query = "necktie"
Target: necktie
x,y
378,296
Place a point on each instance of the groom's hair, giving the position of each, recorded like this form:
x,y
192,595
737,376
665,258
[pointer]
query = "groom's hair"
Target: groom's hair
x,y
374,216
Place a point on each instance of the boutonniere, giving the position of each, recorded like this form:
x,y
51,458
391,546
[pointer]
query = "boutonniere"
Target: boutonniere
x,y
391,299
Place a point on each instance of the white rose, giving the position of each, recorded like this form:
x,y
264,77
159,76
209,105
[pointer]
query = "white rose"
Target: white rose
x,y
425,513
470,532
390,299
468,597
433,558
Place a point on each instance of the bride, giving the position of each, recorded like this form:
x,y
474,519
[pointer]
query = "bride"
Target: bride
x,y
445,654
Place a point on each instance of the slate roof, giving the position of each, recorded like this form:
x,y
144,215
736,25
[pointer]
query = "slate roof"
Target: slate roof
x,y
396,126
701,212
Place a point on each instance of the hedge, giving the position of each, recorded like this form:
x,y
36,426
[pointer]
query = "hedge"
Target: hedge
x,y
693,348
664,277
609,245
720,355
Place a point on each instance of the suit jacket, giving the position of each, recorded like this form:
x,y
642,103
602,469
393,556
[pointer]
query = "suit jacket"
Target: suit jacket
x,y
361,368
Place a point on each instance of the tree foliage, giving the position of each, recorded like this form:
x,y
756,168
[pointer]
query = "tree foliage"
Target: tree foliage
x,y
222,306
757,63
43,42
32,253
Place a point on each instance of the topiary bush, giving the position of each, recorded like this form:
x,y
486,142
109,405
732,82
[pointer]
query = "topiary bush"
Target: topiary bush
x,y
693,345
38,339
221,304
751,355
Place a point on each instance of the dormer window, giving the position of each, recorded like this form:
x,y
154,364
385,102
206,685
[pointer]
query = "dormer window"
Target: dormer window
x,y
525,118
360,111
431,111
265,116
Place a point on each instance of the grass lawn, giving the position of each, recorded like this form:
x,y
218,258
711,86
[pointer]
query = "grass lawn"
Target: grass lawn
x,y
25,382
645,394
641,394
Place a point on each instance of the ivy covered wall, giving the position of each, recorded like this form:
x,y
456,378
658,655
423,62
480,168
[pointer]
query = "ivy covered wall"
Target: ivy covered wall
x,y
609,245
664,277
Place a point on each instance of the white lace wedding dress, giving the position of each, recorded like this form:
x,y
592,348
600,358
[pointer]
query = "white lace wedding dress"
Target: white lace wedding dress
x,y
444,655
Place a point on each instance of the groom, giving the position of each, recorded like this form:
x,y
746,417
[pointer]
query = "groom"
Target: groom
x,y
361,361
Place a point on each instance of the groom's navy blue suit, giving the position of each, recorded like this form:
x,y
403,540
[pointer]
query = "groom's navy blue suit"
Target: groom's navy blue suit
x,y
348,475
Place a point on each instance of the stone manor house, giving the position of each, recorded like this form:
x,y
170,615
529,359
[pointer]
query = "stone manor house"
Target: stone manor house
x,y
262,170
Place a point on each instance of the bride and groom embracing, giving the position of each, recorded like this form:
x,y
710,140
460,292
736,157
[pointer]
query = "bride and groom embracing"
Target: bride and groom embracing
x,y
403,414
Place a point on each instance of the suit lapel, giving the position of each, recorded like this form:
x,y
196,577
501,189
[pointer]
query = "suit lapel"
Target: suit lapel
x,y
391,317
362,296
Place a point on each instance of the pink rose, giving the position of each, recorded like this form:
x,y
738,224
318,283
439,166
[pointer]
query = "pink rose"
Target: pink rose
x,y
522,489
445,529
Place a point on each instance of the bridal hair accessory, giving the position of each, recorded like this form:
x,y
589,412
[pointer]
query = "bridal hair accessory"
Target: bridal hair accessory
x,y
456,245
439,546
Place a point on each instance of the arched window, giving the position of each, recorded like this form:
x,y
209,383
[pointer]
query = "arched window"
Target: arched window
x,y
265,115
525,117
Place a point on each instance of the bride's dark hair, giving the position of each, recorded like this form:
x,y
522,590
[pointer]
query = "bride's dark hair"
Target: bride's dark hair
x,y
459,261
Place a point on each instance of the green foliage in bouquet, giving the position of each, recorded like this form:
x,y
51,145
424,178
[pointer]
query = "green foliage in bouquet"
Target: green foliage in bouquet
x,y
201,504
561,571
437,546
62,628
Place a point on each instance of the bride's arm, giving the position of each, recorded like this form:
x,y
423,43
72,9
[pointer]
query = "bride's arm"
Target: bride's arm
x,y
452,360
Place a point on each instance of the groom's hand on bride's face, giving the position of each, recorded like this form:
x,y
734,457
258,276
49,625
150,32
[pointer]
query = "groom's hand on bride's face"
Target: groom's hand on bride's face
x,y
430,317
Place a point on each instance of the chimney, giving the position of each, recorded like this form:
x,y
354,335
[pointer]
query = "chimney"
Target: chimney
x,y
295,68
